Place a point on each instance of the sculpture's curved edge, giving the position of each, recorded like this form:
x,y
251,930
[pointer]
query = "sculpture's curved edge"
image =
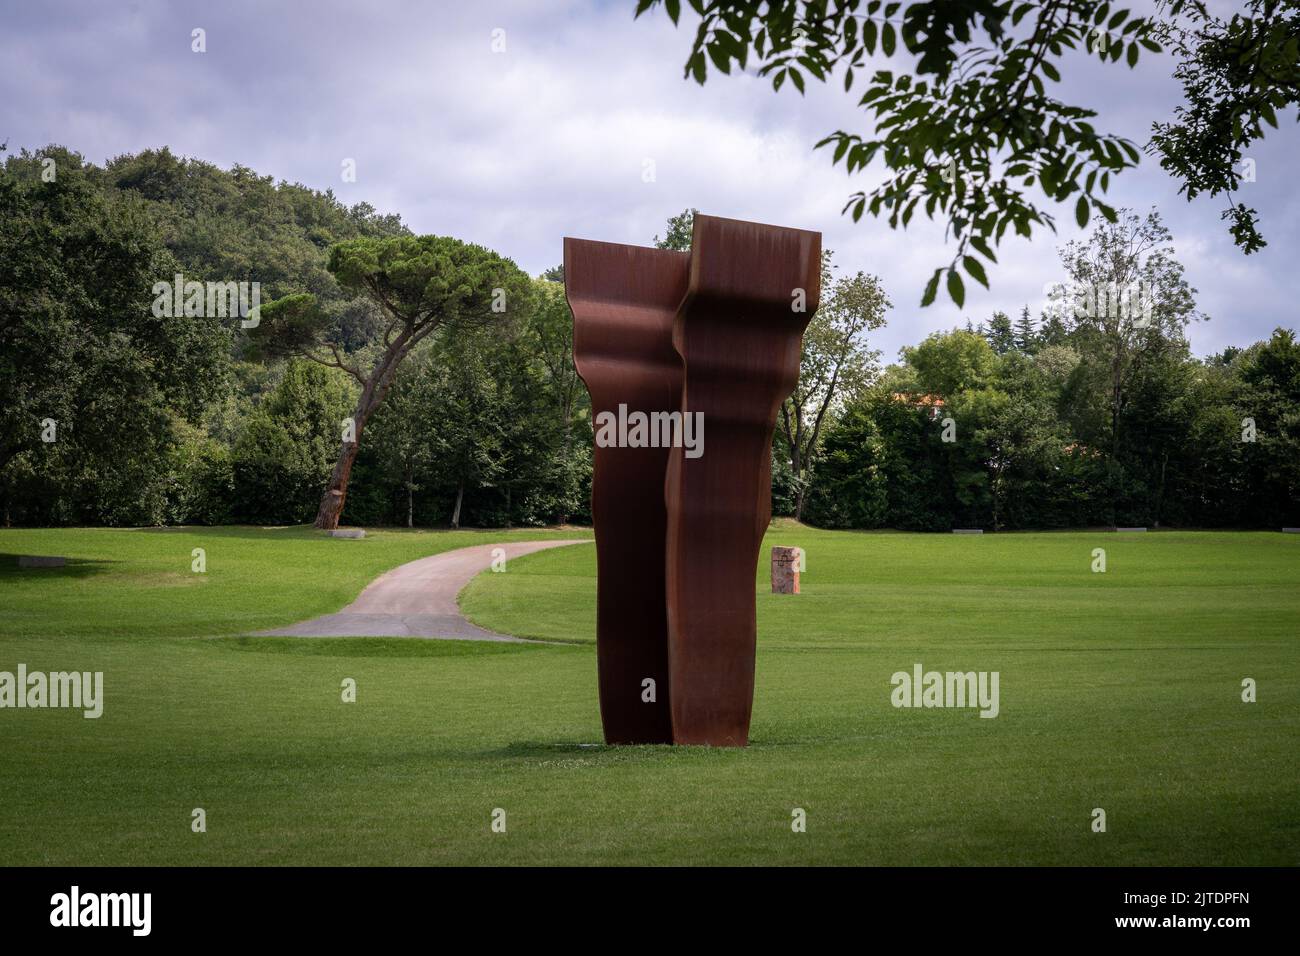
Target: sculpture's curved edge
x,y
739,261
739,330
623,300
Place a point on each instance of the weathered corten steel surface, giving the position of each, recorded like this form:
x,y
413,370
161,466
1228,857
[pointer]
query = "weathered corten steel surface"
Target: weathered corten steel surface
x,y
715,332
740,334
623,300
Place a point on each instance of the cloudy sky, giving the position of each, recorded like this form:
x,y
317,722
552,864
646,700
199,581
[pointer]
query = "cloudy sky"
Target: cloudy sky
x,y
550,137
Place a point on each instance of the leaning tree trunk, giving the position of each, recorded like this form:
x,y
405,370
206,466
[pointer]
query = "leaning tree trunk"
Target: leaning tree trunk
x,y
336,492
460,497
372,394
410,495
1160,489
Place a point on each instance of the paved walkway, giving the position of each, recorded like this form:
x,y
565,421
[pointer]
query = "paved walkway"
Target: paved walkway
x,y
419,599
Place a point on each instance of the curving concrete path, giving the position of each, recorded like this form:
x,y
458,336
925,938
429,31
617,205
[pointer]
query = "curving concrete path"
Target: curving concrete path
x,y
418,599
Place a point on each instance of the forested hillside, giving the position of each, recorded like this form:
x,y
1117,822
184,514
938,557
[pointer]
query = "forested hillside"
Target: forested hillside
x,y
111,413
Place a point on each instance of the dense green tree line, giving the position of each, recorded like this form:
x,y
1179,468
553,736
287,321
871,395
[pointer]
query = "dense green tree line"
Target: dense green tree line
x,y
194,419
1029,452
1076,413
971,432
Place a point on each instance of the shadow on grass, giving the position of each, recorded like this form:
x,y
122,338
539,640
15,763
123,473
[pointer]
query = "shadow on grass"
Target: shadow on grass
x,y
594,751
75,568
379,647
541,748
251,532
306,532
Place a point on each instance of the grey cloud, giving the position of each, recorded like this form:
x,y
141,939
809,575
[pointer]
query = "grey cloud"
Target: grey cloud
x,y
516,150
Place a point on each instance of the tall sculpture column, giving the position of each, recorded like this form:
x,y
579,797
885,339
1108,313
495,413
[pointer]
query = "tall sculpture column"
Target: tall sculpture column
x,y
623,300
713,339
753,289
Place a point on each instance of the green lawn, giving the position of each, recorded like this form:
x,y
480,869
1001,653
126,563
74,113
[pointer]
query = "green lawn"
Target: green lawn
x,y
1119,690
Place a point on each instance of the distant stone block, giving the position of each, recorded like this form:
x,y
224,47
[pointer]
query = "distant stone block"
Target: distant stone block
x,y
785,570
41,561
1130,529
1291,530
348,533
967,530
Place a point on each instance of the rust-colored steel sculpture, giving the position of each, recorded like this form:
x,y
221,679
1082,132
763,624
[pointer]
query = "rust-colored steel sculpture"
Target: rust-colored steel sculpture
x,y
718,336
753,289
623,300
